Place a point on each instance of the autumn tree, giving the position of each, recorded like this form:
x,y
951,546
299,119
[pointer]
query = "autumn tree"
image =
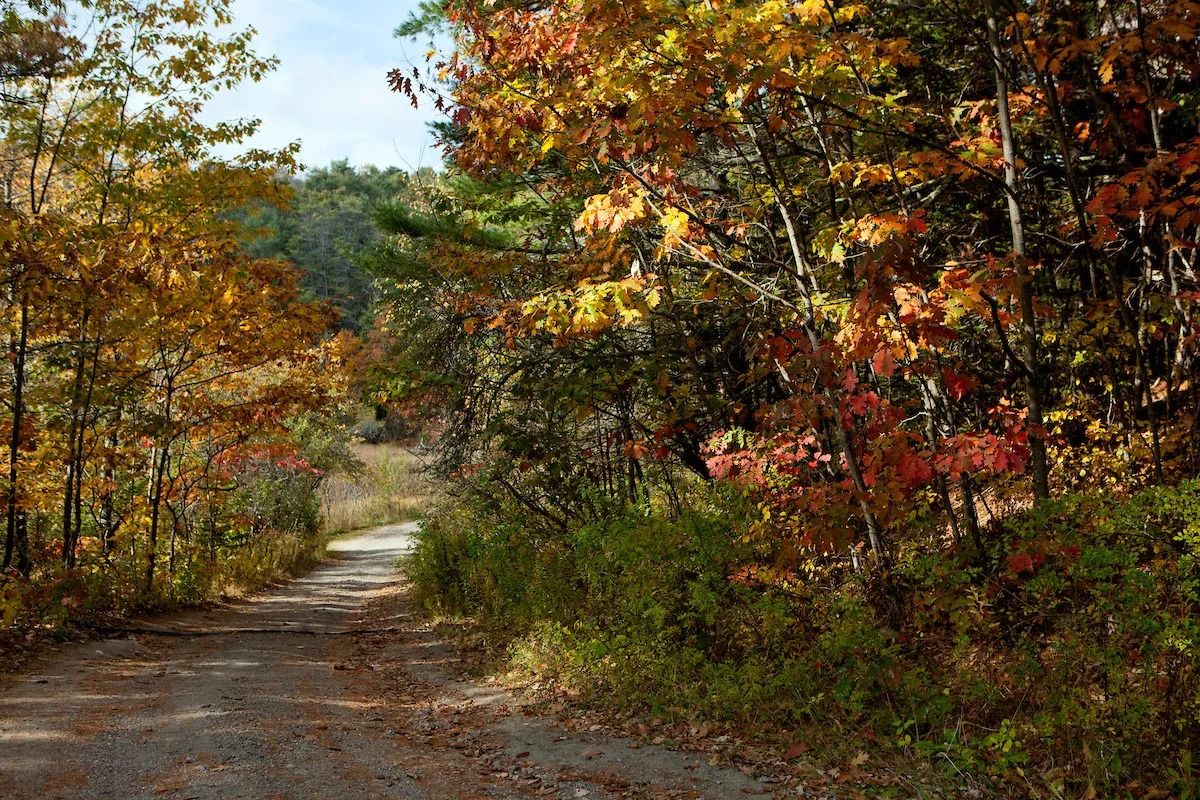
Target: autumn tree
x,y
143,343
875,271
916,282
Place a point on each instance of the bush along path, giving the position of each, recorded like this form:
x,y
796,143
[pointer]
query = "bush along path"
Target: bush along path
x,y
329,687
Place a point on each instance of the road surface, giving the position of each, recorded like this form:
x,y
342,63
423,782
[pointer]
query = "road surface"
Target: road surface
x,y
332,687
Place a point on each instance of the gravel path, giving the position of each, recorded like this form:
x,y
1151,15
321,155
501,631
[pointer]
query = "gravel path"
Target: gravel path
x,y
329,688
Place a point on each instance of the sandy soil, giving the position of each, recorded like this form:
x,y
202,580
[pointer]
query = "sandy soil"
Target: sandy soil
x,y
332,687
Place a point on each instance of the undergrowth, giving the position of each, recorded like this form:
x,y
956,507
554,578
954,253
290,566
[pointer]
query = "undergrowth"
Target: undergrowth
x,y
58,604
1058,662
280,523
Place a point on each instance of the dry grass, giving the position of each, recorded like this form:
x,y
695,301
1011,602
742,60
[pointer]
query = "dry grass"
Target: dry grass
x,y
250,569
388,488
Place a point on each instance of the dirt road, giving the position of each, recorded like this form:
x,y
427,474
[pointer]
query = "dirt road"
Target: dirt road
x,y
329,688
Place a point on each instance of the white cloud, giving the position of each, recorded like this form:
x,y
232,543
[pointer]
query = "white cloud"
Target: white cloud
x,y
330,91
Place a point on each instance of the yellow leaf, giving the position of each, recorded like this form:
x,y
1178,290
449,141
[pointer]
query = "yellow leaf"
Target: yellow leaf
x,y
675,226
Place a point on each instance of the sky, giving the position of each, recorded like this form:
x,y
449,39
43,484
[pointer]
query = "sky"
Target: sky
x,y
330,90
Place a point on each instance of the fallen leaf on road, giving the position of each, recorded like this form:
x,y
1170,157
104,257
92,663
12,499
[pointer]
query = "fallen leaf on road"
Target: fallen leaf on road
x,y
795,751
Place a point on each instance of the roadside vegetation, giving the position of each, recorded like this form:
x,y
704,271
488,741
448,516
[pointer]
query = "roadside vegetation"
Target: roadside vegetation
x,y
823,370
1062,652
385,485
175,409
163,418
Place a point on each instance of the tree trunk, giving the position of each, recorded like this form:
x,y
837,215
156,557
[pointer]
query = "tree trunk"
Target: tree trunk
x,y
108,504
16,537
156,485
68,506
80,455
1040,470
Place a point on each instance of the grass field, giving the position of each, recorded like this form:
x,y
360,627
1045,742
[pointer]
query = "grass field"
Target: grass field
x,y
388,487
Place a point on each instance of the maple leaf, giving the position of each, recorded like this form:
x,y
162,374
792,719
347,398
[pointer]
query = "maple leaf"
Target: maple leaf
x,y
914,470
958,386
635,449
720,466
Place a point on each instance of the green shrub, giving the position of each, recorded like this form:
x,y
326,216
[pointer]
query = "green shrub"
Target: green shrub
x,y
1063,658
643,606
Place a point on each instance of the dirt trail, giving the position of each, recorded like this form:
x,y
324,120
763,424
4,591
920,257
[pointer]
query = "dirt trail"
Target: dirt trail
x,y
329,688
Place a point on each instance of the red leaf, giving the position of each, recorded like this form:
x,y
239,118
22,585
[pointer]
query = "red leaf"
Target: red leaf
x,y
1019,563
914,470
958,385
720,466
795,751
884,363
